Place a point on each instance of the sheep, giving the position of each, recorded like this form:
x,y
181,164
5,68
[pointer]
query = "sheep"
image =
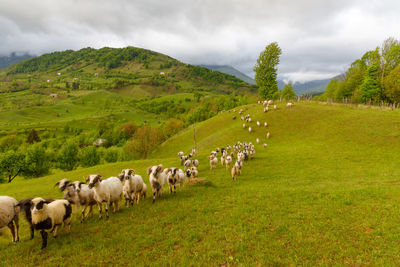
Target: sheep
x,y
234,118
108,191
213,161
252,153
289,105
270,102
180,154
175,177
258,140
194,172
266,109
132,186
265,124
236,170
249,129
275,107
195,163
79,194
187,164
9,215
48,217
258,124
194,152
265,145
268,135
157,179
244,126
240,156
183,159
228,162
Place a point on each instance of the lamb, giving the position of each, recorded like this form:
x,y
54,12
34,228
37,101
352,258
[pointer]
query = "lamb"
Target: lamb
x,y
213,161
9,215
48,217
187,164
195,163
157,179
132,186
108,191
289,105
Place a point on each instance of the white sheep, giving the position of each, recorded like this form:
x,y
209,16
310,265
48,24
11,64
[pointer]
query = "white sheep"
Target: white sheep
x,y
265,145
258,124
195,163
132,186
228,162
266,109
9,215
236,169
289,105
144,191
258,140
265,124
213,161
275,107
48,217
180,154
108,191
79,193
252,153
157,179
244,126
268,135
249,129
187,164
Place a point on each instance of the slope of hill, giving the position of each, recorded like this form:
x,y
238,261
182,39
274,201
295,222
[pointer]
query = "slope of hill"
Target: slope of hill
x,y
324,192
231,71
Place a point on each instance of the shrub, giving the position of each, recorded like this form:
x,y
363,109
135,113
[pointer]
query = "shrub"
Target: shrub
x,y
37,162
68,156
111,155
89,156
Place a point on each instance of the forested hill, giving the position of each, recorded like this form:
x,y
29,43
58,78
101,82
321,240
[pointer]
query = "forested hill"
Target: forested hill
x,y
116,68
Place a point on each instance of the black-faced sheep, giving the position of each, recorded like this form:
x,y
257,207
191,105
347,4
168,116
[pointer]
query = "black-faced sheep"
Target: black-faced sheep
x,y
48,217
25,206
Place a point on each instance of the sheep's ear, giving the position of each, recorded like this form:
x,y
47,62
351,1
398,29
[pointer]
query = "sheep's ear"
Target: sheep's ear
x,y
57,184
131,172
148,170
100,177
159,167
121,177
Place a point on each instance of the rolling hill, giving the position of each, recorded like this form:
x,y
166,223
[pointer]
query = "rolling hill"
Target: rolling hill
x,y
324,192
231,71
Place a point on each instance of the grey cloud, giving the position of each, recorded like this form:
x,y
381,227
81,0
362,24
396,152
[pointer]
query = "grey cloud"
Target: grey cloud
x,y
317,37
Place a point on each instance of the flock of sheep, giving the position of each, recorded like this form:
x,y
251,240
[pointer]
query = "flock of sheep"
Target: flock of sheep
x,y
48,215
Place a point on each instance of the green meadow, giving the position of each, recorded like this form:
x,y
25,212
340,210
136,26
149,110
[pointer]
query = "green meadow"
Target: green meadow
x,y
325,191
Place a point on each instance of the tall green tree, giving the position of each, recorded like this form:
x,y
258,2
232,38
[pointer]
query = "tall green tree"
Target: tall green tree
x,y
370,87
37,161
288,91
33,137
266,70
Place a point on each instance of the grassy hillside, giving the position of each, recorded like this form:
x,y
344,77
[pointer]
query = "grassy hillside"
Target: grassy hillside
x,y
325,192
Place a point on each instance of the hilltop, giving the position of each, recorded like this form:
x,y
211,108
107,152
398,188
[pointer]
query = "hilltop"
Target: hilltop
x,y
324,192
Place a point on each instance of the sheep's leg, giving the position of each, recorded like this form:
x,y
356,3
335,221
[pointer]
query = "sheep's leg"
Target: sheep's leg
x,y
106,209
170,189
100,209
115,206
44,238
17,226
56,228
12,230
126,202
154,196
90,211
137,198
83,213
174,189
67,225
32,230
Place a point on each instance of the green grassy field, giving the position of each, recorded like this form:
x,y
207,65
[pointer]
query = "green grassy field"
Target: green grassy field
x,y
325,192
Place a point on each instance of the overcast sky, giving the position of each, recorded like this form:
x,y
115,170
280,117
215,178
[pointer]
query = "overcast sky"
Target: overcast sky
x,y
319,38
